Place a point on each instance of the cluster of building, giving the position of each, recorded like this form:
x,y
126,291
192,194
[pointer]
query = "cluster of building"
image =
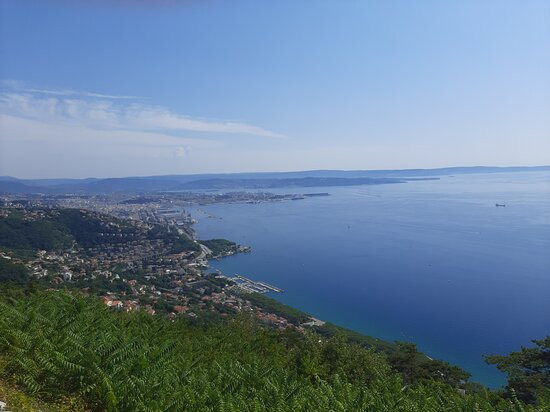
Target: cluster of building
x,y
165,207
132,270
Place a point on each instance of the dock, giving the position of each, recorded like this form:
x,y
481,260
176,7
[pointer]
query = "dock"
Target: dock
x,y
251,286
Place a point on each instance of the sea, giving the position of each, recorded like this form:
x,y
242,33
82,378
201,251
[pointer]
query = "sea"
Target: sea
x,y
433,262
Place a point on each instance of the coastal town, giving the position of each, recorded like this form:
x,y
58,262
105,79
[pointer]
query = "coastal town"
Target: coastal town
x,y
148,207
134,254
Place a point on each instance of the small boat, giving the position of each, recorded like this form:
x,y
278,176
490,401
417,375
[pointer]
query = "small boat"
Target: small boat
x,y
500,205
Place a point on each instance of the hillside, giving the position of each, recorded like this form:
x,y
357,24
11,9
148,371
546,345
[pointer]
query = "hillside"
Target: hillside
x,y
55,229
59,347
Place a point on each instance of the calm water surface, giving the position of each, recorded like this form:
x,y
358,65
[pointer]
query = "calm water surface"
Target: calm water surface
x,y
432,262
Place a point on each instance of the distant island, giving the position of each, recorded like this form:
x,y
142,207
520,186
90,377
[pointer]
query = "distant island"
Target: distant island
x,y
290,182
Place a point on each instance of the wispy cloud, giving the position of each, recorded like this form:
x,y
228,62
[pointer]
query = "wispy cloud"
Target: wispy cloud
x,y
50,132
104,111
75,93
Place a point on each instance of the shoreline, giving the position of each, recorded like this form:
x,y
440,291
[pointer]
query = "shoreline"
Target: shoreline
x,y
476,366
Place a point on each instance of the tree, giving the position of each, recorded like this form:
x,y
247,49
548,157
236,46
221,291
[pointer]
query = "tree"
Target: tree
x,y
415,366
13,272
405,360
528,370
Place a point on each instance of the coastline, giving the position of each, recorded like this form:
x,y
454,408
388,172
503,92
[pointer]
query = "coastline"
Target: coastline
x,y
262,295
290,251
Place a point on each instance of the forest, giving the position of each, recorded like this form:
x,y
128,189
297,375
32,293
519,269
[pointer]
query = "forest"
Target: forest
x,y
64,351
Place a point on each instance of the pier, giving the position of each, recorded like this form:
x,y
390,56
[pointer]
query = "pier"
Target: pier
x,y
251,286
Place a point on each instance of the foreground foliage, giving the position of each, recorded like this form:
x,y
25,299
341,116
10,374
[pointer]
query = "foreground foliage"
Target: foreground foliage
x,y
528,370
57,346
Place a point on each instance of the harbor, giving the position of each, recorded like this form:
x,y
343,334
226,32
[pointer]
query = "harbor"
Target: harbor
x,y
252,286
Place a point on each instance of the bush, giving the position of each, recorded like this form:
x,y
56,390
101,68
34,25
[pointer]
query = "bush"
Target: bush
x,y
56,346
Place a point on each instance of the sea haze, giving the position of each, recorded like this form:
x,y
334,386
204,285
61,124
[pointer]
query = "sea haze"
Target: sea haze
x,y
431,262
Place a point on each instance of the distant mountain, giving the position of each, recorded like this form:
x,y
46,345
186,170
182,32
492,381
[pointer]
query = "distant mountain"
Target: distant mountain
x,y
257,180
8,179
14,186
279,183
57,182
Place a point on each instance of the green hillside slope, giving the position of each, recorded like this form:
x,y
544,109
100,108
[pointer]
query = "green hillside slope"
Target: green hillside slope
x,y
55,346
56,229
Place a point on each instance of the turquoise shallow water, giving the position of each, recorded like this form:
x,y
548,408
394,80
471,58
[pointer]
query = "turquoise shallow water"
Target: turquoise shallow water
x,y
432,262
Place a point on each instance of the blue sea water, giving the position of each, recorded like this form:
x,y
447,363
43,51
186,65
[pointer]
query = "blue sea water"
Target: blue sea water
x,y
431,262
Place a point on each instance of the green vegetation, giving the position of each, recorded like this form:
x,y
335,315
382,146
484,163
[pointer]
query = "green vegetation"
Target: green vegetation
x,y
58,229
528,371
403,357
180,243
416,367
13,272
18,400
329,330
273,306
57,347
219,246
90,230
55,230
18,233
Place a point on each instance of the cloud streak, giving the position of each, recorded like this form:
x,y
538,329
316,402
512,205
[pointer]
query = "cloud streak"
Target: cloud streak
x,y
45,132
102,111
75,93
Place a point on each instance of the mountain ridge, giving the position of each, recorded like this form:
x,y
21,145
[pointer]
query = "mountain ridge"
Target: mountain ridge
x,y
9,184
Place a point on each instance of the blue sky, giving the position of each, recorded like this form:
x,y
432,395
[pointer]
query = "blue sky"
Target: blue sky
x,y
119,88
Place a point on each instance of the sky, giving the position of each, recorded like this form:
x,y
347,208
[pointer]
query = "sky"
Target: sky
x,y
132,88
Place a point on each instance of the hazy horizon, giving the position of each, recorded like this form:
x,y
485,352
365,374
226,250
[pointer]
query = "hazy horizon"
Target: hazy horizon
x,y
277,171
